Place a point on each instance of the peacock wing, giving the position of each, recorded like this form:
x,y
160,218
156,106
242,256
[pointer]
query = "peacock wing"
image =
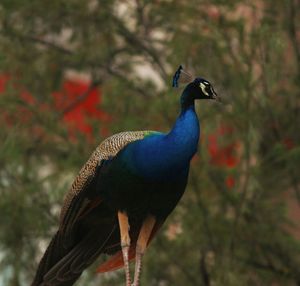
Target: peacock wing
x,y
65,246
76,200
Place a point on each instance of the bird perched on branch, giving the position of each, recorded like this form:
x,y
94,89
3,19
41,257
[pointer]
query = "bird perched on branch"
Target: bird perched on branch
x,y
123,195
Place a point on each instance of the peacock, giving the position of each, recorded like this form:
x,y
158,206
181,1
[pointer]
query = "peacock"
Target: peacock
x,y
123,195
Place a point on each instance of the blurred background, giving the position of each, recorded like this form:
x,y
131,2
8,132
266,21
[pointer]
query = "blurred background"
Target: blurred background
x,y
74,72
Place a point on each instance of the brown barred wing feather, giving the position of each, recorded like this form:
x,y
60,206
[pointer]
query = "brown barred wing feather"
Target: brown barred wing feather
x,y
74,202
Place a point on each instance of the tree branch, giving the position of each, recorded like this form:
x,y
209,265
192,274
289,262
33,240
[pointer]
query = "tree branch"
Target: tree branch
x,y
141,47
40,41
292,9
80,98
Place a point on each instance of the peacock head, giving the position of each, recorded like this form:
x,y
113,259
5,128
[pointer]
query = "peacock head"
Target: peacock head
x,y
197,88
201,89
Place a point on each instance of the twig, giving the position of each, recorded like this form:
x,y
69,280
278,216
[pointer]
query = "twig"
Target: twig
x,y
292,30
244,190
80,98
43,42
136,43
175,261
128,82
203,270
204,211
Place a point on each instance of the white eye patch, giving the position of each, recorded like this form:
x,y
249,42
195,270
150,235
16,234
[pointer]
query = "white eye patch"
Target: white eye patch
x,y
203,88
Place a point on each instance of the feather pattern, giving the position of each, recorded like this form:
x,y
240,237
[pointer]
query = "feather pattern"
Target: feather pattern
x,y
107,149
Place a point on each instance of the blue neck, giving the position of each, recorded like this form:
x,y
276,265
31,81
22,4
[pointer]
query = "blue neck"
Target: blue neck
x,y
185,134
167,155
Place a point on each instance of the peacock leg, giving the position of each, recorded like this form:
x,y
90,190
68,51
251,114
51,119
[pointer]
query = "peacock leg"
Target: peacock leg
x,y
125,243
141,245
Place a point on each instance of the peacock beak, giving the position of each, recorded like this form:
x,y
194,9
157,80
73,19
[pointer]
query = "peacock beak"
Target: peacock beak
x,y
216,96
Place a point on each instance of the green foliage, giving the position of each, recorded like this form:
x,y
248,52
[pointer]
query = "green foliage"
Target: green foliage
x,y
238,235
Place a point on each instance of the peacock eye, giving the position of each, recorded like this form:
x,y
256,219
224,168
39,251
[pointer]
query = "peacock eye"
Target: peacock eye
x,y
204,86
